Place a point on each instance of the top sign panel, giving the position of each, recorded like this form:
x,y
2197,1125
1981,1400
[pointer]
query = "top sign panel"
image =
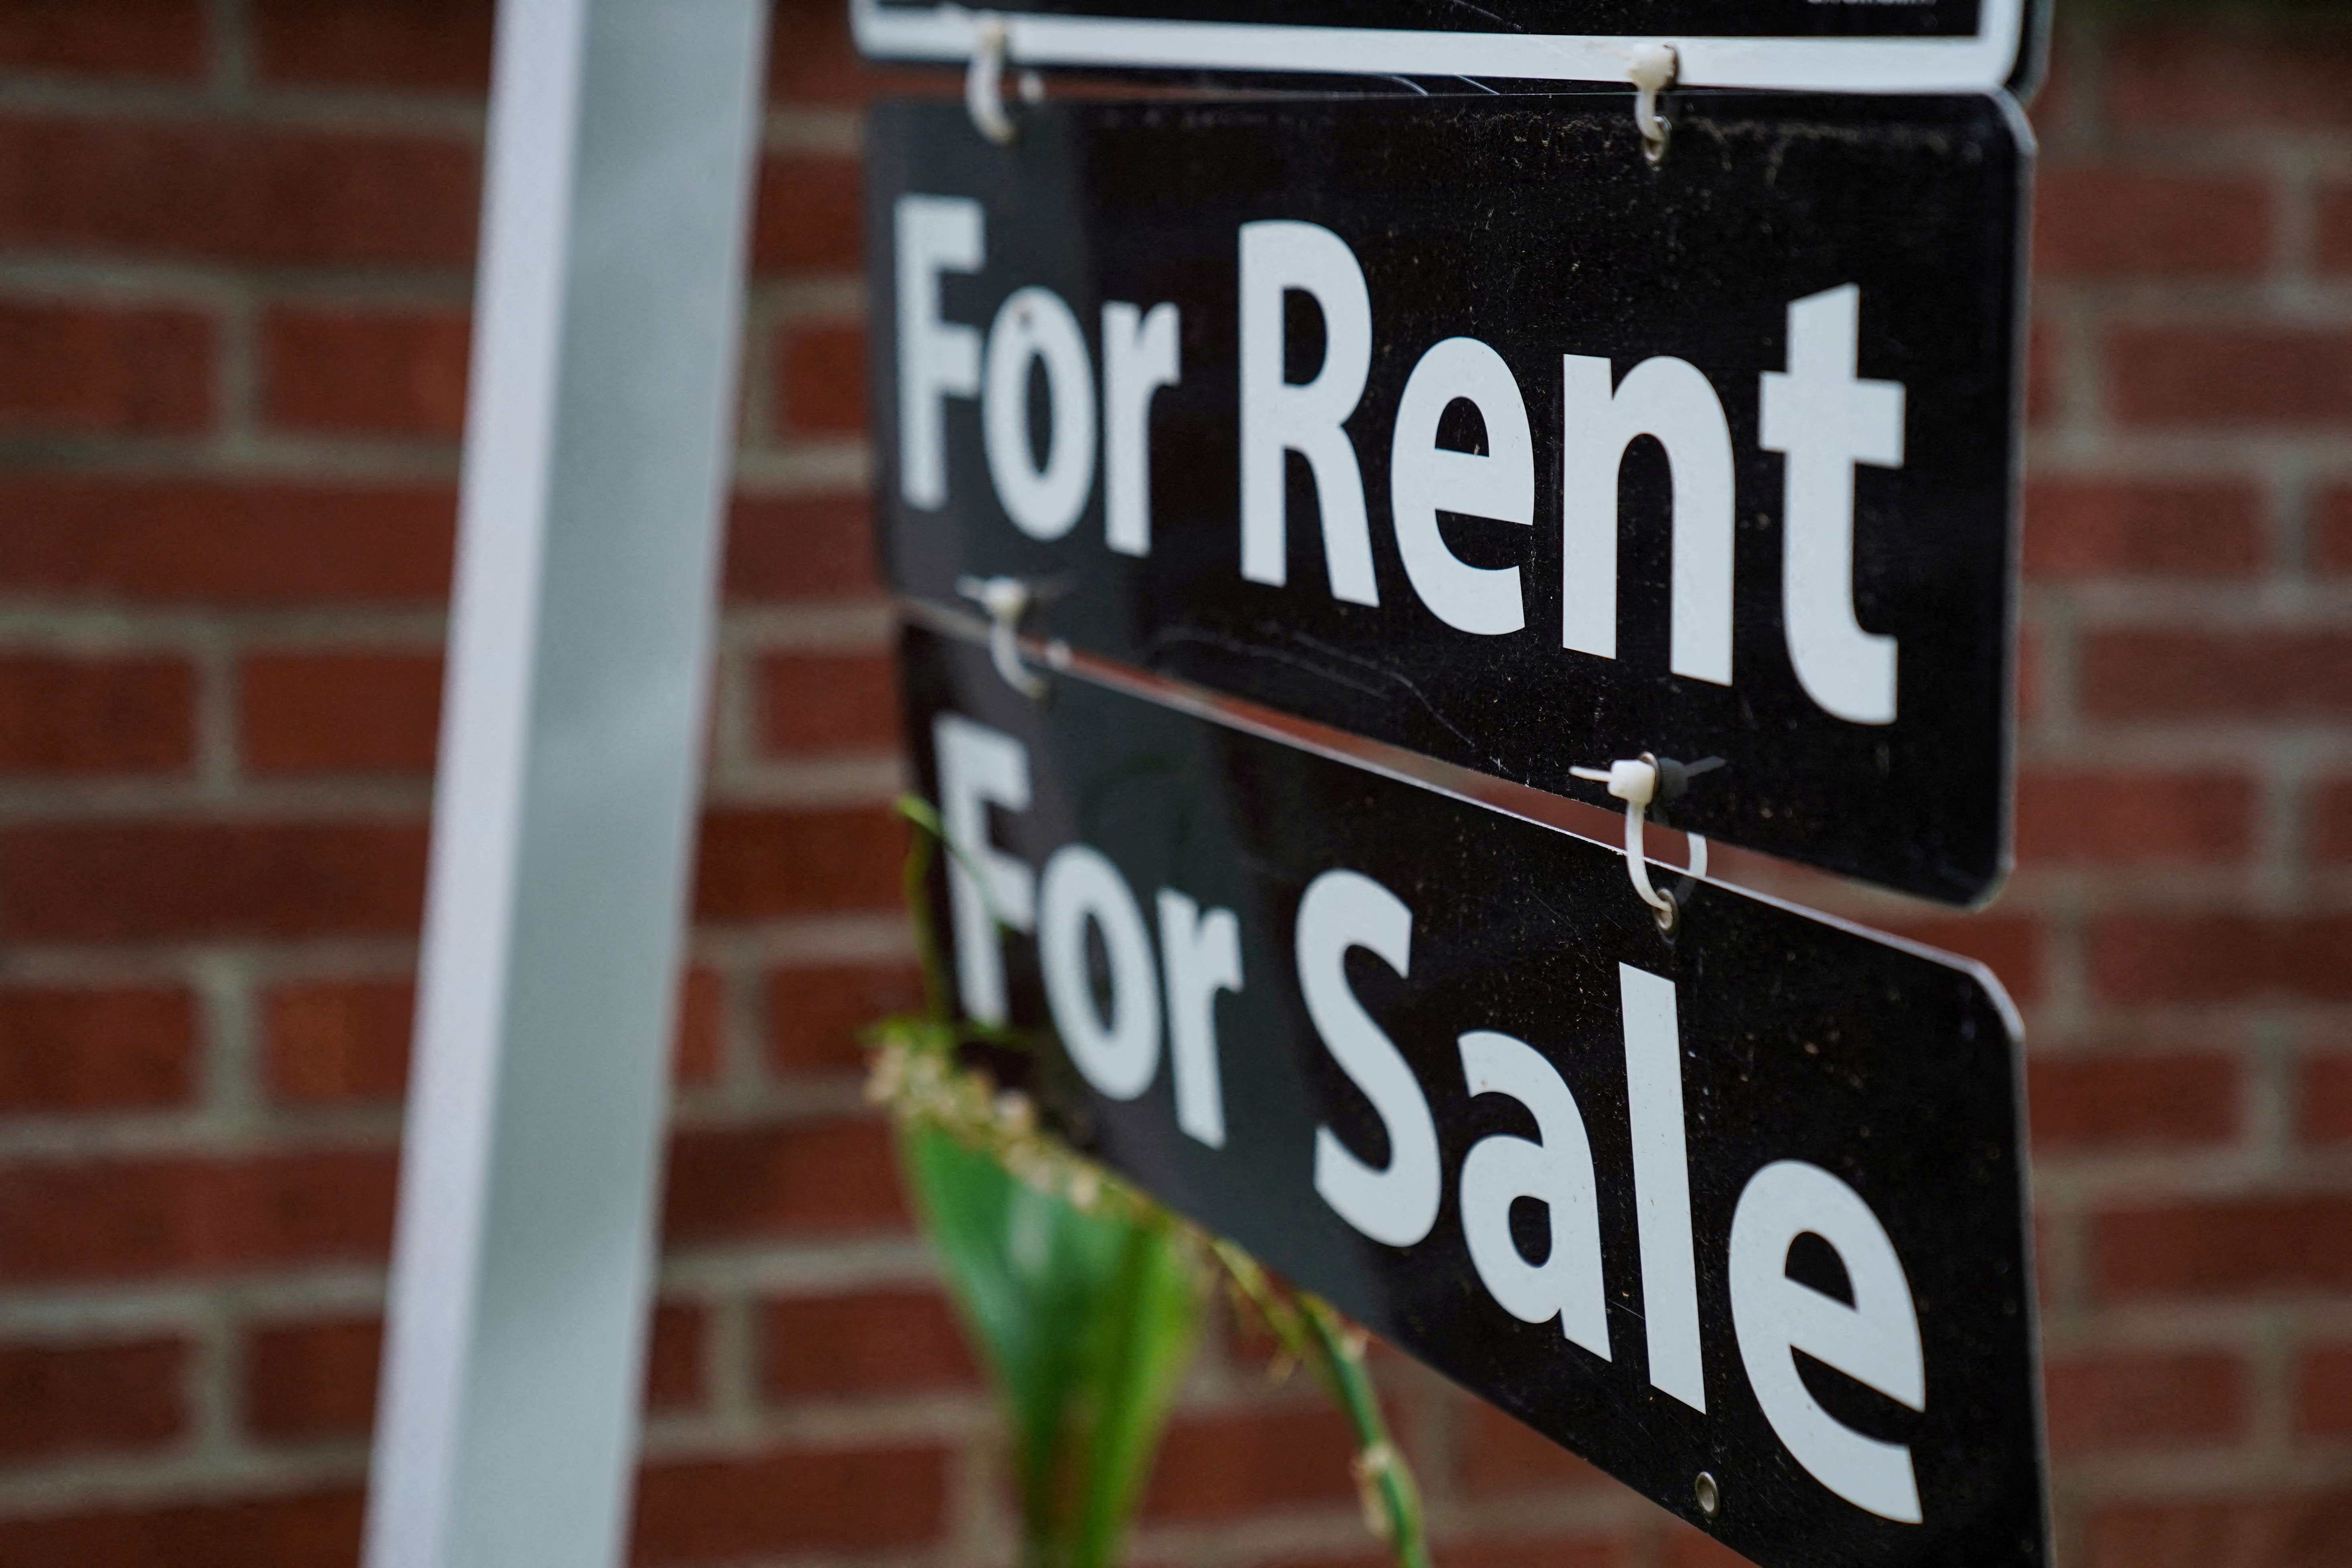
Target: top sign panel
x,y
1831,45
1452,423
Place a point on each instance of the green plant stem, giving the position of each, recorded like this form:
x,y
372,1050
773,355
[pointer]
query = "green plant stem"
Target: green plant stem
x,y
1381,1468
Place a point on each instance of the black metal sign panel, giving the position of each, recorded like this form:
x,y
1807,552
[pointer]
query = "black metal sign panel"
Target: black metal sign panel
x,y
1454,423
1851,46
1745,1202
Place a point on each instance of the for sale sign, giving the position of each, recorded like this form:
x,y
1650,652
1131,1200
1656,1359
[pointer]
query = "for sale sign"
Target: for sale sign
x,y
1736,1212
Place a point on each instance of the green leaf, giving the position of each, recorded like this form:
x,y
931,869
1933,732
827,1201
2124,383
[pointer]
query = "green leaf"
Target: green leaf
x,y
1085,1321
1145,1335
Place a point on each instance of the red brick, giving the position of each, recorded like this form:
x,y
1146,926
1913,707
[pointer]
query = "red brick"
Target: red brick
x,y
98,715
2008,945
2094,1103
821,380
675,1356
811,57
1330,1558
2276,1530
2211,78
878,1341
1499,1457
2045,374
57,1400
318,1378
2221,1247
140,882
814,1014
2330,821
2335,227
130,1216
2053,106
95,715
336,1042
797,1501
65,1049
2331,530
302,1529
1528,1552
2286,378
312,1379
698,1055
1225,1465
1685,1546
2323,1099
2107,221
760,864
2323,1390
2080,528
812,62
2031,668
380,372
2080,817
809,216
2237,676
2145,1401
111,37
739,1183
99,370
223,542
339,713
810,547
276,197
430,46
828,702
333,1042
2144,957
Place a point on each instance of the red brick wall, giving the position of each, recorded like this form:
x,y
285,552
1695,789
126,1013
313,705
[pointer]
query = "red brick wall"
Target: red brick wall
x,y
235,242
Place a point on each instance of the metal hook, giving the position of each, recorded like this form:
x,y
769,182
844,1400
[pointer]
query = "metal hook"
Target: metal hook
x,y
1006,601
1652,69
1640,783
984,81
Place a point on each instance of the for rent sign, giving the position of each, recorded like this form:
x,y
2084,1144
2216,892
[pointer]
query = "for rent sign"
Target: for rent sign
x,y
1457,424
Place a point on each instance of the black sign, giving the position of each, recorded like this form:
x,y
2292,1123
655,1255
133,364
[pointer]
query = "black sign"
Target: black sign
x,y
1454,423
1854,46
1746,1202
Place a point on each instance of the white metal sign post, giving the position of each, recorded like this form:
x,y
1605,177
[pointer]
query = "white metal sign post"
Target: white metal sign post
x,y
621,144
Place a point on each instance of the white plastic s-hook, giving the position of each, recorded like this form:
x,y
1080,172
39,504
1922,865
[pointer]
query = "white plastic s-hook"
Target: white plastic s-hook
x,y
983,83
1651,67
1634,781
1006,600
983,80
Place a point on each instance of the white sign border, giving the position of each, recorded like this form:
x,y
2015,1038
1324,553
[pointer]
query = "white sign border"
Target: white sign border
x,y
950,33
